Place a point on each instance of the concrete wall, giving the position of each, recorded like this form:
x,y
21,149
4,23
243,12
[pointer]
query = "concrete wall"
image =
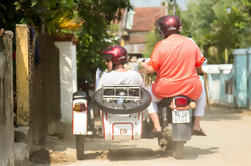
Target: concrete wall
x,y
249,77
139,34
135,48
220,84
6,101
68,78
22,74
231,84
241,77
135,44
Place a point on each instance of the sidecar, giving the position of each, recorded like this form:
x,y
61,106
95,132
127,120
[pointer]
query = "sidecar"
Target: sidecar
x,y
122,113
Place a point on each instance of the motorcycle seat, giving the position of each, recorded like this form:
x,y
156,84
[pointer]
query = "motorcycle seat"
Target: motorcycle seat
x,y
165,101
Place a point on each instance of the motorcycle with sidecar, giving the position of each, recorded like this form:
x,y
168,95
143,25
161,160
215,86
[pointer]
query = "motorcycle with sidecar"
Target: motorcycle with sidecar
x,y
123,117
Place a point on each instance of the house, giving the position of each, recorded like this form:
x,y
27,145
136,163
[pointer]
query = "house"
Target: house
x,y
136,26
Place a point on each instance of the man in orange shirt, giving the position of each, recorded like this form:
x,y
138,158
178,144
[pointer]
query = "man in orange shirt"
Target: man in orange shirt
x,y
174,59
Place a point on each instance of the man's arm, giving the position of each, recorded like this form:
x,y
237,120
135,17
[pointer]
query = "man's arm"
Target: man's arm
x,y
199,70
149,69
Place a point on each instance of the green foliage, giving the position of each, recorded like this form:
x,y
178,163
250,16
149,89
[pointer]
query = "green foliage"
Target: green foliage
x,y
9,16
152,39
47,13
96,33
39,12
218,25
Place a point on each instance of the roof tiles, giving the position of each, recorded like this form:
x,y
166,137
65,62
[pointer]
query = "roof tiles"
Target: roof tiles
x,y
144,18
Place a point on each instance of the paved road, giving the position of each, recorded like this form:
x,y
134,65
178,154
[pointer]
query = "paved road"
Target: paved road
x,y
228,144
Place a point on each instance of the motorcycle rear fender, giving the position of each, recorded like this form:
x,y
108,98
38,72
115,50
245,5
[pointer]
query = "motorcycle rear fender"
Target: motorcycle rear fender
x,y
181,131
79,118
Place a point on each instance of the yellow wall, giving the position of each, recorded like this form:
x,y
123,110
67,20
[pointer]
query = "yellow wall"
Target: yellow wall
x,y
22,48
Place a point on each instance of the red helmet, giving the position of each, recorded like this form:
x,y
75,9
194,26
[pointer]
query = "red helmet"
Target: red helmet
x,y
117,54
168,25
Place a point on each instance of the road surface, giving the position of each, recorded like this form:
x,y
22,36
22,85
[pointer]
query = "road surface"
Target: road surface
x,y
228,143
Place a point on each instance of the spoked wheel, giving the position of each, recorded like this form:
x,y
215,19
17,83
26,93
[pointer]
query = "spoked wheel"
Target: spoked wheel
x,y
80,141
178,149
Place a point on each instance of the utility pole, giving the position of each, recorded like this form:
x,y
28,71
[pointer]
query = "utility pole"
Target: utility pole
x,y
122,28
166,6
174,7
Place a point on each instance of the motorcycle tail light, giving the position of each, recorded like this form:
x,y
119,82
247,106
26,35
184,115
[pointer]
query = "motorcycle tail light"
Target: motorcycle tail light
x,y
181,101
80,107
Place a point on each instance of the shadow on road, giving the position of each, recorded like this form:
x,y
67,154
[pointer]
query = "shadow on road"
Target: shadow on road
x,y
191,153
132,154
99,144
124,154
216,113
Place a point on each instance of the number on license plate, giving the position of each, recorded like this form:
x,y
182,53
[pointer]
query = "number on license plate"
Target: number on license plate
x,y
181,116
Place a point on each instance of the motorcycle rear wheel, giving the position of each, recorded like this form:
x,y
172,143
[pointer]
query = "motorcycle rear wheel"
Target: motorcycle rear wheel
x,y
80,142
178,150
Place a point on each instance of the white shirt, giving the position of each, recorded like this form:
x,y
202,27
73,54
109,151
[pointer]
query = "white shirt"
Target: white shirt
x,y
128,77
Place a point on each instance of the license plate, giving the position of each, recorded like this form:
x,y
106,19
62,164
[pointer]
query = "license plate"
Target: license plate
x,y
181,116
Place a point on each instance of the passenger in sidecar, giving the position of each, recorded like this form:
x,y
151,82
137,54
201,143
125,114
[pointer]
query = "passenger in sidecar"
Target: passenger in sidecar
x,y
116,57
122,98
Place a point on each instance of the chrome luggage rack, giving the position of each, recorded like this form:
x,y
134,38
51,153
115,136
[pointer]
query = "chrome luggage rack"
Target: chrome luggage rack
x,y
121,92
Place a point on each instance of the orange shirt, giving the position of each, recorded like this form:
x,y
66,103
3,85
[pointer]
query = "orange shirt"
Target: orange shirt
x,y
175,60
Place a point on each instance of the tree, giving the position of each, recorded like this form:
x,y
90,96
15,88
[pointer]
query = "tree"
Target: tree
x,y
217,25
152,39
94,35
55,16
45,15
51,17
9,16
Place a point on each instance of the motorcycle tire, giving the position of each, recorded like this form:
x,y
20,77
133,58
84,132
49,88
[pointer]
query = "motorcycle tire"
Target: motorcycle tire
x,y
80,141
125,108
178,149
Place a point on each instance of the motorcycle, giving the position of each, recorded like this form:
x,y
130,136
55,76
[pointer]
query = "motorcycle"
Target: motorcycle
x,y
123,117
176,121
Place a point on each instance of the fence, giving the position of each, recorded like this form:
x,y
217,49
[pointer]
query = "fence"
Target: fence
x,y
230,84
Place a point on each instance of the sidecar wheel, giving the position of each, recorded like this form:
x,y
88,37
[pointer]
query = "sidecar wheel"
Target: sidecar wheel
x,y
178,150
80,140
